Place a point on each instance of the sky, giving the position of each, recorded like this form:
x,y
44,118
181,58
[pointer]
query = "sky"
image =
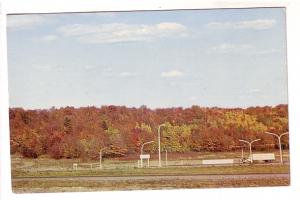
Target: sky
x,y
222,57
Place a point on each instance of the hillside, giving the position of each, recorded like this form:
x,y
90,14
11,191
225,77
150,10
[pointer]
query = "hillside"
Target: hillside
x,y
81,132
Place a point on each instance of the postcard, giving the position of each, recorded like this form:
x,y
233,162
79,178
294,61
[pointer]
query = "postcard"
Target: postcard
x,y
148,100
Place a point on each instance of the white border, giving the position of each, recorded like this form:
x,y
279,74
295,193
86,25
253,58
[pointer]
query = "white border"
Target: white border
x,y
50,6
36,6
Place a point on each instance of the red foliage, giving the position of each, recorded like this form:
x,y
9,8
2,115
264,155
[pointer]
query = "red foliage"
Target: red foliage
x,y
82,132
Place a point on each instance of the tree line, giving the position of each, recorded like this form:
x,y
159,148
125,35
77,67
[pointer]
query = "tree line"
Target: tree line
x,y
82,132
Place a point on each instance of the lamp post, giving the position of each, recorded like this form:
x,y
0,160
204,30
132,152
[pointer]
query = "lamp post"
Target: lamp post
x,y
279,142
142,152
250,147
145,144
242,152
166,157
168,138
159,158
100,157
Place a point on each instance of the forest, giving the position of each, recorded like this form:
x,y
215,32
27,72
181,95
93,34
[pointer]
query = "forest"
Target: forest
x,y
70,132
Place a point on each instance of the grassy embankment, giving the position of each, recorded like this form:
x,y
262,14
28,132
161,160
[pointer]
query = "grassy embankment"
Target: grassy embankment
x,y
45,167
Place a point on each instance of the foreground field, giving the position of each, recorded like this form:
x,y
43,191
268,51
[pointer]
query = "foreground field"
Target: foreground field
x,y
21,185
48,175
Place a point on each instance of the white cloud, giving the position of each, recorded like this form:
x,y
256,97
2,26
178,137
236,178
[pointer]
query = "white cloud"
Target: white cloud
x,y
249,93
231,48
173,73
49,38
105,14
170,26
107,69
267,51
117,32
254,90
89,67
127,74
193,98
258,24
44,67
19,22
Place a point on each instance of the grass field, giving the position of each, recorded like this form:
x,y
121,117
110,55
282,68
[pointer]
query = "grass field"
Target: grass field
x,y
84,186
247,169
179,165
44,163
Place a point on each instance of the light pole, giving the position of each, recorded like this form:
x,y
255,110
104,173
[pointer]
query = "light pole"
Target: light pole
x,y
100,157
279,143
143,146
242,152
168,137
159,158
250,147
142,153
166,157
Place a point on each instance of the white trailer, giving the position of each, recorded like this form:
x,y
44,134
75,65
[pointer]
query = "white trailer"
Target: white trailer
x,y
266,157
259,157
218,162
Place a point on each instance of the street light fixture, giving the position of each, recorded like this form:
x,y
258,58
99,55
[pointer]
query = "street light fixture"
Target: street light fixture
x,y
279,142
143,146
250,147
159,156
146,156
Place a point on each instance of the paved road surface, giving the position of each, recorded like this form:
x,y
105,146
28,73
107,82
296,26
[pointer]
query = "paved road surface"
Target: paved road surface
x,y
159,178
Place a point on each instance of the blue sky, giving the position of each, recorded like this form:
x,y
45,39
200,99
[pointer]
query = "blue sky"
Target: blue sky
x,y
224,58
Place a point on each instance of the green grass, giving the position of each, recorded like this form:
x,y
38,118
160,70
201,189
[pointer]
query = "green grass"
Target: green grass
x,y
45,167
247,169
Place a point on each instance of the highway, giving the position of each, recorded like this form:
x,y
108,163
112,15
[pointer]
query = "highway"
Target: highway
x,y
200,177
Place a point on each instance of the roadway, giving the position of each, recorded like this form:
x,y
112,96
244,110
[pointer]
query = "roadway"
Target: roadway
x,y
200,177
